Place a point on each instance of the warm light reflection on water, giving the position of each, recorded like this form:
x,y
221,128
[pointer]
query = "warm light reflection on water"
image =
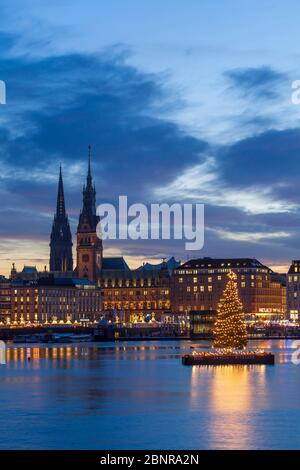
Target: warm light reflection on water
x,y
232,394
52,353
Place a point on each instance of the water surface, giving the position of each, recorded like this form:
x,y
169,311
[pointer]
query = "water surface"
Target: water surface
x,y
137,395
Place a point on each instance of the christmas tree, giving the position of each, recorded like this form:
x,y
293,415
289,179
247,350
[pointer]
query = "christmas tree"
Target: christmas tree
x,y
230,329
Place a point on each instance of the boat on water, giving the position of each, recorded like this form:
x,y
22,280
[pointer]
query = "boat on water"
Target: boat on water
x,y
82,338
65,338
69,338
27,339
51,338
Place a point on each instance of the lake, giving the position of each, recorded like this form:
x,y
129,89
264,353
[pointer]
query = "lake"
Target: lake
x,y
138,395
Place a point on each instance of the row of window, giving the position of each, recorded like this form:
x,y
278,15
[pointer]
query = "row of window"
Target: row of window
x,y
162,292
218,270
128,283
219,278
136,305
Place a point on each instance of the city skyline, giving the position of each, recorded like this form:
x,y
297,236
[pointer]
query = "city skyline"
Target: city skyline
x,y
186,117
150,230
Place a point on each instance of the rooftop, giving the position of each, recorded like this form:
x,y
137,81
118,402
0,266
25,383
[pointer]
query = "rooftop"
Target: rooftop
x,y
170,264
225,263
54,281
65,281
118,263
29,269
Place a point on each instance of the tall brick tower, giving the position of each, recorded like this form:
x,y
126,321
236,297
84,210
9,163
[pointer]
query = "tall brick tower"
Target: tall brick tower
x,y
61,258
89,246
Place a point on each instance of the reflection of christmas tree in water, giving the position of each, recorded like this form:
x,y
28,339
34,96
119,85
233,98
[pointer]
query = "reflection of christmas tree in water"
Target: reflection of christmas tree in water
x,y
230,329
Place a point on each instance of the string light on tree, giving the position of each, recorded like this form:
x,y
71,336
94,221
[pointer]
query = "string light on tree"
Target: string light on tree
x,y
230,329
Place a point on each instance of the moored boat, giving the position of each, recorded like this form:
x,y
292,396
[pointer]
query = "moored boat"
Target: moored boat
x,y
26,339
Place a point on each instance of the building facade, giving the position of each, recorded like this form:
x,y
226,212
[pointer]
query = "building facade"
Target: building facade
x,y
55,301
5,301
293,291
198,285
135,295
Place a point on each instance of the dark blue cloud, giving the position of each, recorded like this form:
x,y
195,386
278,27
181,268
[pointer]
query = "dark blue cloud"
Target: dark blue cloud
x,y
261,82
67,102
59,105
270,158
7,42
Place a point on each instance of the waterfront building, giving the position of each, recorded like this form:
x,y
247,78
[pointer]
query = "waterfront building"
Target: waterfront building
x,y
24,302
197,285
293,291
61,258
55,300
5,300
137,295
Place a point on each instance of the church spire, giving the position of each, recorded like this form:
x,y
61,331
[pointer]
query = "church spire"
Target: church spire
x,y
61,258
60,204
88,217
89,175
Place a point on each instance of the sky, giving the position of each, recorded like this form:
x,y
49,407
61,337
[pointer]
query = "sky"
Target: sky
x,y
181,102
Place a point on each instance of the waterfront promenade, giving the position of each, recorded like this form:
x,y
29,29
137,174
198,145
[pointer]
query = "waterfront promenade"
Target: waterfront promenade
x,y
133,334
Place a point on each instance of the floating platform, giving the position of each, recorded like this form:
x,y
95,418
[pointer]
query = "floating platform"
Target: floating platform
x,y
214,358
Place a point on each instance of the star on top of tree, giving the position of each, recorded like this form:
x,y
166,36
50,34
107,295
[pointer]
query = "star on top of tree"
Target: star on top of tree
x,y
232,276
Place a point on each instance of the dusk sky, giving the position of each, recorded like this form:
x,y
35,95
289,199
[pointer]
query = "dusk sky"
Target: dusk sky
x,y
181,101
